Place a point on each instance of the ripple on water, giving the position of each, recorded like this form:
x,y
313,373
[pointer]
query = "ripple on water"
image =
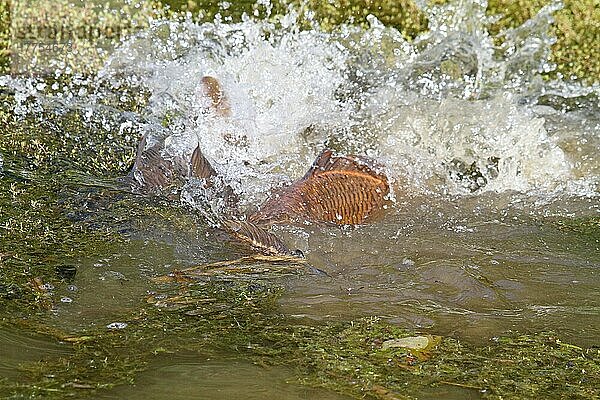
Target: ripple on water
x,y
17,347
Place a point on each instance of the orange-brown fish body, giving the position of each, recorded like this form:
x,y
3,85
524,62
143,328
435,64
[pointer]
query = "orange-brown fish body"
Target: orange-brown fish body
x,y
343,190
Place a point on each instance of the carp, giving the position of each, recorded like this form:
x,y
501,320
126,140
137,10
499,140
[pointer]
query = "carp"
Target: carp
x,y
337,189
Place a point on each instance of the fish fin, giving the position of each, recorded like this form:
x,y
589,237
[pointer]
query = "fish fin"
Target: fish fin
x,y
257,237
150,169
212,89
199,166
141,147
327,162
322,161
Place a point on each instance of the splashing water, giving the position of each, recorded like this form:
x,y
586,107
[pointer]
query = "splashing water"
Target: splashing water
x,y
478,145
449,113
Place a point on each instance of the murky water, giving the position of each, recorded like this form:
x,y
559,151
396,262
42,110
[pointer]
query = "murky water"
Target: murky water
x,y
18,347
462,267
193,377
488,162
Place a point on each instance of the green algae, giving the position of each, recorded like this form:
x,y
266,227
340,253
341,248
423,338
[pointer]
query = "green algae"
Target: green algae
x,y
103,358
588,227
36,232
238,319
50,34
512,366
43,224
232,317
403,15
95,29
62,198
58,140
5,23
36,236
576,28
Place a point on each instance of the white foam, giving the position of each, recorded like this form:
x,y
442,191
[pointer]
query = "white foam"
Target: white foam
x,y
449,113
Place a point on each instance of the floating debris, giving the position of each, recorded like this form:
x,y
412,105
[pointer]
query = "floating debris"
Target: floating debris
x,y
117,325
411,342
262,265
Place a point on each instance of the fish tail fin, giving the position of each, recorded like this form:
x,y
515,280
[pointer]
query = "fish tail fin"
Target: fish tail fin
x,y
200,167
257,237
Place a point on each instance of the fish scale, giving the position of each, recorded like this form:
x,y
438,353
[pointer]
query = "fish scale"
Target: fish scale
x,y
338,189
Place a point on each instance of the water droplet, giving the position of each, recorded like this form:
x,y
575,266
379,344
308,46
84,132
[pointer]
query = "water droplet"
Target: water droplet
x,y
407,262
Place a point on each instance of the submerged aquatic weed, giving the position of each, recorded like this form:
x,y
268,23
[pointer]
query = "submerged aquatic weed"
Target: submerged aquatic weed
x,y
403,15
236,318
351,358
590,226
103,358
237,315
58,140
43,223
35,237
59,204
